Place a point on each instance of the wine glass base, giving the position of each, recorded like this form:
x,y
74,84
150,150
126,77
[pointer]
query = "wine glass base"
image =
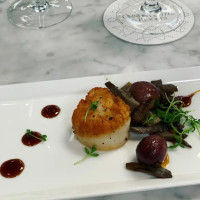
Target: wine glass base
x,y
26,14
129,20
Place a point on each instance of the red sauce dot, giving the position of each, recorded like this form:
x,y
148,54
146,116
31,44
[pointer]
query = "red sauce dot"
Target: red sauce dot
x,y
12,168
50,111
29,140
187,100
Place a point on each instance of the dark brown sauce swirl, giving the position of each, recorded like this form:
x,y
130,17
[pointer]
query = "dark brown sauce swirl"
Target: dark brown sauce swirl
x,y
50,111
29,140
12,168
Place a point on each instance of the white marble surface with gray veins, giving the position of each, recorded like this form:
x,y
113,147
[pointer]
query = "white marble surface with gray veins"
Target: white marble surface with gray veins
x,y
81,46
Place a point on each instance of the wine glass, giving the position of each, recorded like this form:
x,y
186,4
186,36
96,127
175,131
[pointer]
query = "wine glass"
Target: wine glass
x,y
151,17
39,13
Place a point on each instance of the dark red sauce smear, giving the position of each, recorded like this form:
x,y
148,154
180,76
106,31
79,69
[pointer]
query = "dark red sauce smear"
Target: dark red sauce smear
x,y
50,111
187,100
29,140
12,168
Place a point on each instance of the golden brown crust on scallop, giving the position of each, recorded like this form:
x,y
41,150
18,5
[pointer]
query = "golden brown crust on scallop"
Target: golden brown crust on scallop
x,y
110,114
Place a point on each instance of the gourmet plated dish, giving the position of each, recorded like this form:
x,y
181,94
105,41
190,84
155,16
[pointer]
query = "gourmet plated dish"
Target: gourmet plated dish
x,y
56,150
104,119
108,117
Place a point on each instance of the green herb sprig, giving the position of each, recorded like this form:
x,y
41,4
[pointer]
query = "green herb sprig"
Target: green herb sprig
x,y
29,132
150,119
88,154
93,106
172,114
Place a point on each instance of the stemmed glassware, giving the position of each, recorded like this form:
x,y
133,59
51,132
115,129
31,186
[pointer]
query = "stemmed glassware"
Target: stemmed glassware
x,y
151,16
39,13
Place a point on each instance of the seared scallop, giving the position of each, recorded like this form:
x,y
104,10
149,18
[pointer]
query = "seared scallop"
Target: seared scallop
x,y
105,126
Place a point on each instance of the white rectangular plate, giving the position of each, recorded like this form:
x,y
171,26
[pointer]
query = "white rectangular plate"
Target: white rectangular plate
x,y
50,172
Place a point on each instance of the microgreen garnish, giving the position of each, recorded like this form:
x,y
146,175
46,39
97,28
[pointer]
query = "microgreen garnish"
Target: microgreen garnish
x,y
29,132
150,119
172,114
93,106
88,154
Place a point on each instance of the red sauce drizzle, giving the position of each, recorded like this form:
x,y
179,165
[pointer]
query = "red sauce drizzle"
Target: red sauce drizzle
x,y
12,168
50,111
29,140
187,100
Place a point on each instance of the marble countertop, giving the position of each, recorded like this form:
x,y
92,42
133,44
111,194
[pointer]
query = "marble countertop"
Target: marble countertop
x,y
81,46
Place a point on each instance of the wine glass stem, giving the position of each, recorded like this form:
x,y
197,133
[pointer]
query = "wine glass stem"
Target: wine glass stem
x,y
40,5
151,6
